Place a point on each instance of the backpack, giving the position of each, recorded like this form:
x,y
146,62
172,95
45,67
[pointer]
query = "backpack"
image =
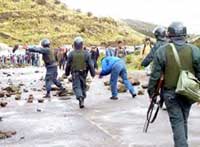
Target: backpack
x,y
188,85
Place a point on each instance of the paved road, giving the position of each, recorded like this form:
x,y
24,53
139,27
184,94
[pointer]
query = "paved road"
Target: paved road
x,y
103,123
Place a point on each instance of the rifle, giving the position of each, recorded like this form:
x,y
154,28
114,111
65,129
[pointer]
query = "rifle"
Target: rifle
x,y
151,115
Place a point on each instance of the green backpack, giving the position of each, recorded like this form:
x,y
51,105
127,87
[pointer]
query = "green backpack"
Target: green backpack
x,y
188,85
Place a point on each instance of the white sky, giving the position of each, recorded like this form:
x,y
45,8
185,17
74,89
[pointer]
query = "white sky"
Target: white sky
x,y
161,12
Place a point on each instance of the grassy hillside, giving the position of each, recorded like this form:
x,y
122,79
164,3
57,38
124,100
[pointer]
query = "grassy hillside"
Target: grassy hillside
x,y
28,21
140,26
197,42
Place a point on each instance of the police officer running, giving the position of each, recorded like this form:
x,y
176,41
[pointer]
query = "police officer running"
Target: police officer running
x,y
178,106
50,64
78,63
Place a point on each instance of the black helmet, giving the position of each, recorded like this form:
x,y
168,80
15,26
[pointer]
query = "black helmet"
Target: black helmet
x,y
45,43
78,43
177,29
160,33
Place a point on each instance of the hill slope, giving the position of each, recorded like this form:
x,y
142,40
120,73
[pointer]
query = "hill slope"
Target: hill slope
x,y
140,26
28,21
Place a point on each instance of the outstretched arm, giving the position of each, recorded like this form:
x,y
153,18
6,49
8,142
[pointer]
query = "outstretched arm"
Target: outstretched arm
x,y
37,49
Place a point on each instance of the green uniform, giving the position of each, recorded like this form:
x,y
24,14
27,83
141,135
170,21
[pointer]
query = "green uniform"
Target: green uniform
x,y
178,108
78,64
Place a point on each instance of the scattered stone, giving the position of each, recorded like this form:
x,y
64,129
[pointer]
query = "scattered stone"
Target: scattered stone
x,y
30,99
121,88
21,138
41,79
1,118
21,84
144,86
40,100
2,94
18,97
135,82
4,135
9,75
141,92
25,90
3,104
39,90
9,94
36,71
12,89
34,89
107,83
39,110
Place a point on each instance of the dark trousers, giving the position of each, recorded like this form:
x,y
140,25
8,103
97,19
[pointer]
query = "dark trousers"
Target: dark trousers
x,y
178,109
79,84
51,78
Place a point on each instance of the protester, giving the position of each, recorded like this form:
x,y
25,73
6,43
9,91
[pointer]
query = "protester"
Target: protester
x,y
116,67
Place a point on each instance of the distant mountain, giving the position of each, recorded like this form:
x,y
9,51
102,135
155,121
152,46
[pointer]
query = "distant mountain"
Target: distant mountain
x,y
28,21
140,26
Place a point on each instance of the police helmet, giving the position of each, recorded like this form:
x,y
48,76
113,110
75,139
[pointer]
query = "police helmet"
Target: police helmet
x,y
177,29
78,43
45,43
160,33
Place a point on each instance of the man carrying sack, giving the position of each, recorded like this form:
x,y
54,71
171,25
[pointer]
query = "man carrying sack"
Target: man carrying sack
x,y
176,60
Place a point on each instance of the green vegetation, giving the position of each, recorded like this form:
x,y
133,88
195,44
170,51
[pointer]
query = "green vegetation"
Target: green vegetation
x,y
28,21
197,42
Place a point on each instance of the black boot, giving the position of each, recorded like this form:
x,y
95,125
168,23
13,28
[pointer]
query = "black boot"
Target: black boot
x,y
133,95
114,98
47,96
81,103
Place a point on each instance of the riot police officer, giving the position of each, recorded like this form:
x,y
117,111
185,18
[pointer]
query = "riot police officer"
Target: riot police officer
x,y
178,106
50,64
160,35
78,63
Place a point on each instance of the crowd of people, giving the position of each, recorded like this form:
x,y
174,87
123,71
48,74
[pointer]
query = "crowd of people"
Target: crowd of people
x,y
21,59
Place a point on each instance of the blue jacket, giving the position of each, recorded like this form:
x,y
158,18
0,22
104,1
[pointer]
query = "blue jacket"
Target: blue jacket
x,y
107,64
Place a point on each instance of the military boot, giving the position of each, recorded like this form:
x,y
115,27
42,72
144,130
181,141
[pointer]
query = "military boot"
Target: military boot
x,y
81,103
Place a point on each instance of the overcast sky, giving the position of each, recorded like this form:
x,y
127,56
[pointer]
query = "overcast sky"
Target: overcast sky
x,y
161,12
